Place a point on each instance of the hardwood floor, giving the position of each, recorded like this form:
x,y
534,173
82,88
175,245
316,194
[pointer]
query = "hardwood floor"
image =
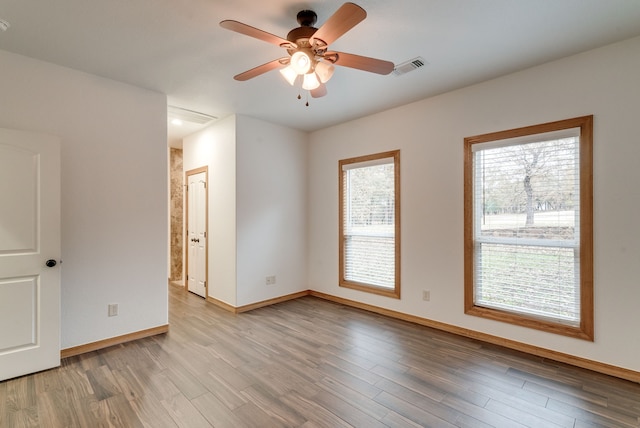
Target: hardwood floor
x,y
311,363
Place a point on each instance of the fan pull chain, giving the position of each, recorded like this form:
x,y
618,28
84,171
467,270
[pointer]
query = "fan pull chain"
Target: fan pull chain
x,y
306,98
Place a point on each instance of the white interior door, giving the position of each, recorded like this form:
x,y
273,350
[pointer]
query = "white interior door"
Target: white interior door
x,y
29,237
197,233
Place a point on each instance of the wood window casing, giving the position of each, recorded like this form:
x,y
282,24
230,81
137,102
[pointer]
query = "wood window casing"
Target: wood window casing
x,y
585,327
352,163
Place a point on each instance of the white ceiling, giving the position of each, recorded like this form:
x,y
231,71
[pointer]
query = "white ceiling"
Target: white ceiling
x,y
177,47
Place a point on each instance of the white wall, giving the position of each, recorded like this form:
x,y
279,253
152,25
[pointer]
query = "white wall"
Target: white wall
x,y
215,147
114,193
271,210
604,82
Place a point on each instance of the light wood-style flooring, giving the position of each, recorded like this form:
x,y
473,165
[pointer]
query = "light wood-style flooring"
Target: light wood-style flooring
x,y
311,363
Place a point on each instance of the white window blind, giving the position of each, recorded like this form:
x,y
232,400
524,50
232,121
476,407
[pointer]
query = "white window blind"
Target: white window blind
x,y
526,218
369,223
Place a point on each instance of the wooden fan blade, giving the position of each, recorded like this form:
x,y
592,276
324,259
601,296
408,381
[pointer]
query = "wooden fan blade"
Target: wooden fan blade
x,y
364,63
320,91
343,20
250,31
261,69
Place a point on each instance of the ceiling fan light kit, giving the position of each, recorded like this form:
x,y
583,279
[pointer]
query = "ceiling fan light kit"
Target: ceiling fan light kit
x,y
310,82
324,71
289,74
307,48
301,61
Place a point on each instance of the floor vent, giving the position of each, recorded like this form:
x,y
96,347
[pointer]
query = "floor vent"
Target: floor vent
x,y
410,65
189,115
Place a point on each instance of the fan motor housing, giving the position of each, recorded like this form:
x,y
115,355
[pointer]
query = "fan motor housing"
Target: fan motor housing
x,y
301,33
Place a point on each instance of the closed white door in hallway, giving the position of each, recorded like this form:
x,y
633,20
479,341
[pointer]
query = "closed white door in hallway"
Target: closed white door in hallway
x,y
197,232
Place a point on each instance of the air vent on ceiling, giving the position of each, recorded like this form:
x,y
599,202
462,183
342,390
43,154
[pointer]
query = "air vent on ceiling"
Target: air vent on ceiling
x,y
189,115
410,65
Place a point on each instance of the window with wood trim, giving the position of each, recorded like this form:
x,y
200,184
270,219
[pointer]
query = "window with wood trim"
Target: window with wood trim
x,y
528,226
369,223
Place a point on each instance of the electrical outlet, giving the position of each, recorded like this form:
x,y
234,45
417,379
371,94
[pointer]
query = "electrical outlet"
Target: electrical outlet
x,y
113,309
426,295
270,280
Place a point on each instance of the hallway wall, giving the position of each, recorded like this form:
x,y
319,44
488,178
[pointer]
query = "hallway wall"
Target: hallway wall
x,y
257,207
215,147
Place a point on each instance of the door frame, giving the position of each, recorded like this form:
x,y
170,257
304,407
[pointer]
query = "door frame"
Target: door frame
x,y
187,174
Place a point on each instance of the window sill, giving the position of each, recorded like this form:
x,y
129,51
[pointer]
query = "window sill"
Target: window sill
x,y
381,291
530,322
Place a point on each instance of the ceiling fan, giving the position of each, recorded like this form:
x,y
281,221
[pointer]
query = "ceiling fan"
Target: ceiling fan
x,y
307,46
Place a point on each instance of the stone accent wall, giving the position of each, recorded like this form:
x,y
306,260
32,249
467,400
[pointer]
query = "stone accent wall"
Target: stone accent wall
x,y
177,220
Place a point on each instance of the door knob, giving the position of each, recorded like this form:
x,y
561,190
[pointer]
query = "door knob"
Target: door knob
x,y
50,263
